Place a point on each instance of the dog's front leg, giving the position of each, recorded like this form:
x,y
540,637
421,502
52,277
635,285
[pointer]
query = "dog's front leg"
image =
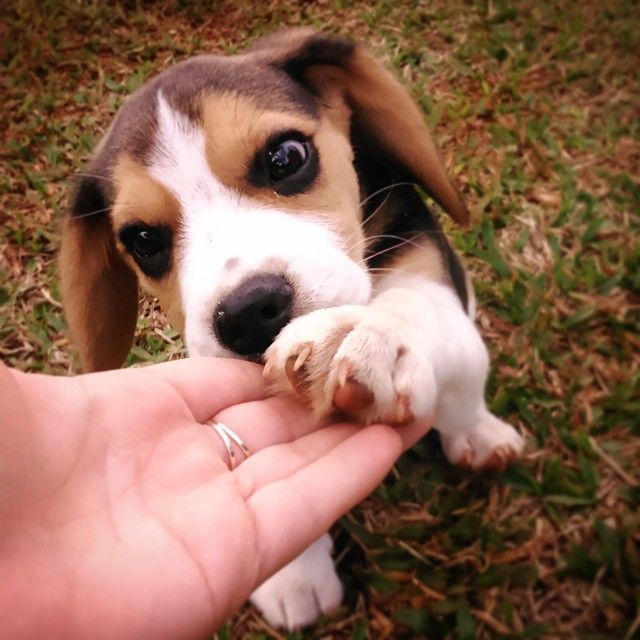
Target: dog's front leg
x,y
301,591
413,352
471,435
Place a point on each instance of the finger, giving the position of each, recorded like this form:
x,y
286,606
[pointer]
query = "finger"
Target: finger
x,y
273,421
282,461
316,495
209,385
268,422
276,421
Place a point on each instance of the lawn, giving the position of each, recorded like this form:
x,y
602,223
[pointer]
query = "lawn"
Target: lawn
x,y
536,106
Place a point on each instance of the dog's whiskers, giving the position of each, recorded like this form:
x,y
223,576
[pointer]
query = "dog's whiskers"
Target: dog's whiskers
x,y
92,213
386,188
367,242
376,270
403,242
378,208
388,236
93,175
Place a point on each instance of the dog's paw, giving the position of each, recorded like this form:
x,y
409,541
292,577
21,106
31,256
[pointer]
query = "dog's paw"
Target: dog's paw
x,y
301,591
354,359
491,445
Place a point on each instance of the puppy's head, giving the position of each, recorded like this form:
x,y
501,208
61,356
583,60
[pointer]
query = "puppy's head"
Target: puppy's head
x,y
231,188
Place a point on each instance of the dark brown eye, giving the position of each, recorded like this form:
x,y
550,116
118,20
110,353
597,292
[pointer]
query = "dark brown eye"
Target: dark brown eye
x,y
147,243
287,164
150,247
286,158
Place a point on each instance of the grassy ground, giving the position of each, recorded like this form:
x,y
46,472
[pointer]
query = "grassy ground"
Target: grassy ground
x,y
535,104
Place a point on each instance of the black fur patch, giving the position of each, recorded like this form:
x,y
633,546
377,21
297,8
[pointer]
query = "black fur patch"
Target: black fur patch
x,y
406,217
89,200
315,51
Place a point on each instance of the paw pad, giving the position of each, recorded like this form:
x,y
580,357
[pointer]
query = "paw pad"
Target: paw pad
x,y
352,396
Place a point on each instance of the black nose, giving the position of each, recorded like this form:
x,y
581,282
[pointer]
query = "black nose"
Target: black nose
x,y
249,318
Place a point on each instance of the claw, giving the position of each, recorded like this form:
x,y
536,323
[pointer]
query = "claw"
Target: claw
x,y
403,413
499,459
268,368
296,373
344,369
304,354
466,460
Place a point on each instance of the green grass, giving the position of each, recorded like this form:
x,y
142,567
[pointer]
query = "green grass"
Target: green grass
x,y
535,105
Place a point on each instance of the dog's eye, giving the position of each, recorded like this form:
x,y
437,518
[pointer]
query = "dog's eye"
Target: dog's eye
x,y
150,247
285,158
146,244
287,164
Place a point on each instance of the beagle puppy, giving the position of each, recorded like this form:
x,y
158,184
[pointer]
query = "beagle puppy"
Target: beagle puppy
x,y
269,201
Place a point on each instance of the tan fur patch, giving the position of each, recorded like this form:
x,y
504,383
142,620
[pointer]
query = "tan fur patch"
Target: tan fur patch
x,y
422,257
141,198
236,129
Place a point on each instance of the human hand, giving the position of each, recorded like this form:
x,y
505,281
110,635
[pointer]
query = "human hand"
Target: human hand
x,y
120,518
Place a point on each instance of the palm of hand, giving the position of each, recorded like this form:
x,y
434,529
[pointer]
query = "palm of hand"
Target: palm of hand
x,y
127,521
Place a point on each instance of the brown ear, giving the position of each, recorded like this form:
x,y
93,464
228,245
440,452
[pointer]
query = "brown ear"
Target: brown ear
x,y
385,120
99,291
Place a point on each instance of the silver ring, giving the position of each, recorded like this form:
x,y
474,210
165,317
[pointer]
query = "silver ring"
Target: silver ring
x,y
227,436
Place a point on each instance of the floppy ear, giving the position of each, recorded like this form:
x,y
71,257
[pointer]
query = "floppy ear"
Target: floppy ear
x,y
99,291
385,121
